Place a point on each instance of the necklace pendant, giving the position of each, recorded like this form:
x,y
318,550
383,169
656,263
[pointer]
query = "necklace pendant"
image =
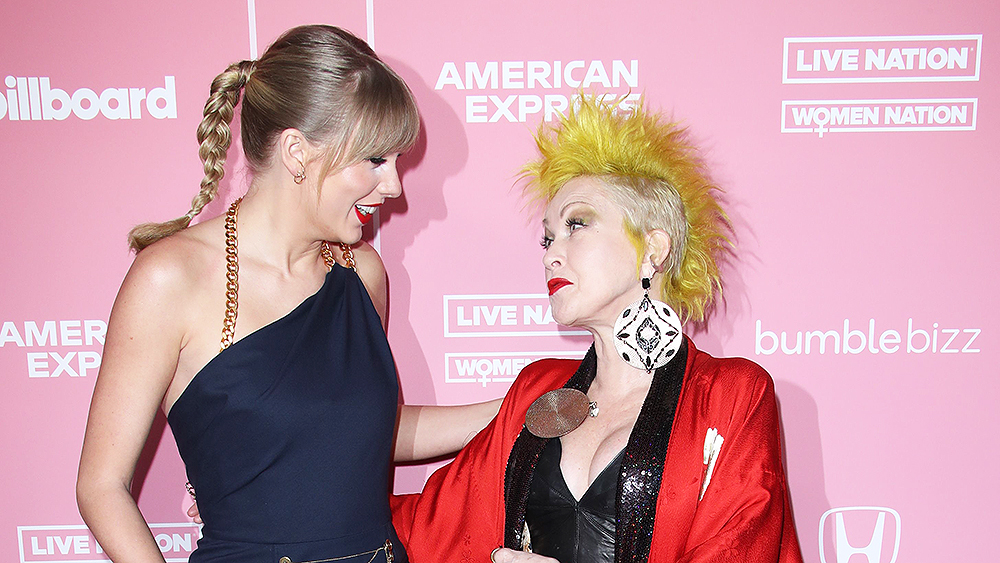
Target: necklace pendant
x,y
557,413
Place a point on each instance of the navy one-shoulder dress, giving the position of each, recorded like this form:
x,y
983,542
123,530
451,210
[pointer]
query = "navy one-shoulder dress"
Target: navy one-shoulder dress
x,y
287,435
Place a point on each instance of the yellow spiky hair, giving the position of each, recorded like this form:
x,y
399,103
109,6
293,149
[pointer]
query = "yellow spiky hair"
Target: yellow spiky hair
x,y
654,160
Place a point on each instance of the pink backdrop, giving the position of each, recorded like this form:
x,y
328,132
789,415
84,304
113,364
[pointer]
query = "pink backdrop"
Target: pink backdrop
x,y
855,141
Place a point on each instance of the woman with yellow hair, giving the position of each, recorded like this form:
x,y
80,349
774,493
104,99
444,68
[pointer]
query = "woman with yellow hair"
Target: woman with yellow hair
x,y
648,449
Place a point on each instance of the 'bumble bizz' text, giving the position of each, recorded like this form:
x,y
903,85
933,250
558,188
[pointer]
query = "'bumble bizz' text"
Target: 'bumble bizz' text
x,y
916,338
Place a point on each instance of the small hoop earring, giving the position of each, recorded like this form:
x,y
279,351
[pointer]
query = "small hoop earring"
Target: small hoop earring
x,y
299,176
647,333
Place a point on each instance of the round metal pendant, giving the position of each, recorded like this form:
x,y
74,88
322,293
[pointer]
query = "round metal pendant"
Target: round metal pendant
x,y
557,413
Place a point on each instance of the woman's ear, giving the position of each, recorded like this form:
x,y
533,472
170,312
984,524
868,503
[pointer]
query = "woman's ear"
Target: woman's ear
x,y
657,249
293,150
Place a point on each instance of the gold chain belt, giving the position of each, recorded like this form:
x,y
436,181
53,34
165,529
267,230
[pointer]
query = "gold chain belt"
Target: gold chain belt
x,y
387,547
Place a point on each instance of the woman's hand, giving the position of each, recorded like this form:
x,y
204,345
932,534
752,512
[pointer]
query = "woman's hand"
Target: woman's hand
x,y
192,511
504,555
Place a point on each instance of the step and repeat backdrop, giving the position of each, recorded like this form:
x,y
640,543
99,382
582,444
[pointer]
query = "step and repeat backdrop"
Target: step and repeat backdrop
x,y
856,142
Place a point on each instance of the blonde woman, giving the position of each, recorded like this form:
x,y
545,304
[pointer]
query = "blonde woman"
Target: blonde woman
x,y
260,332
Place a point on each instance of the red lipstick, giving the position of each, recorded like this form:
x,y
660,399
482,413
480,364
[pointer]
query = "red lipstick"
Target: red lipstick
x,y
555,284
364,216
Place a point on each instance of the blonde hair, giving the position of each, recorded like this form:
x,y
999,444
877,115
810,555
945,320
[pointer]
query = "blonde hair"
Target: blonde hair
x,y
655,174
318,79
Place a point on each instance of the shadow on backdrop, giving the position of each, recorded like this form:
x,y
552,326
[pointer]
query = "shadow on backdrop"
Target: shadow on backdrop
x,y
441,152
803,456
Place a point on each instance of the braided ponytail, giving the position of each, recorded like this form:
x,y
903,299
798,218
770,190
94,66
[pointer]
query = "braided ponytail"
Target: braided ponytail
x,y
214,138
318,79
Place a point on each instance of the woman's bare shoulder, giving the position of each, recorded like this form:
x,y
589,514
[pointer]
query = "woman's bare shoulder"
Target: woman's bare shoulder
x,y
158,304
372,274
179,264
368,260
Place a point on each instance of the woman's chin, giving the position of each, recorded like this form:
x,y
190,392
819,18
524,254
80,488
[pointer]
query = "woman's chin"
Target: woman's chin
x,y
569,321
351,236
561,319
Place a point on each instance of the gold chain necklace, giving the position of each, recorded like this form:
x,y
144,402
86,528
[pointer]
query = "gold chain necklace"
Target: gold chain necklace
x,y
233,271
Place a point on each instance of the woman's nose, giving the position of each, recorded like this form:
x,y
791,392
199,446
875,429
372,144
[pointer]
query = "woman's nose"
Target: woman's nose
x,y
552,257
391,186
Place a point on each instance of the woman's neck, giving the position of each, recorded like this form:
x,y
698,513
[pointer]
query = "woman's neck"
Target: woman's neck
x,y
274,228
614,377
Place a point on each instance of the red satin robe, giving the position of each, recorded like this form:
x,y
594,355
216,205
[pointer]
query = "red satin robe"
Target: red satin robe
x,y
744,516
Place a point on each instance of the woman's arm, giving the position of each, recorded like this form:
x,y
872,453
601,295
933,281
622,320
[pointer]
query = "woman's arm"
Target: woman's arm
x,y
140,357
429,431
423,431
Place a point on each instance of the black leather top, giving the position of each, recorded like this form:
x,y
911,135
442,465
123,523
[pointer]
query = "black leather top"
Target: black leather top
x,y
563,528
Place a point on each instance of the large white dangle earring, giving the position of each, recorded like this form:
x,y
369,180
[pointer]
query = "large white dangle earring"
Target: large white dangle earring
x,y
647,333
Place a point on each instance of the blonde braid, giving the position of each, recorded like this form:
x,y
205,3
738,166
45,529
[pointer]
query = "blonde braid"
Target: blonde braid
x,y
214,137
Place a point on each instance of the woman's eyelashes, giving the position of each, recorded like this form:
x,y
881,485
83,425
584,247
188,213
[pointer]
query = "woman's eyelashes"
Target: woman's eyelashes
x,y
380,160
572,224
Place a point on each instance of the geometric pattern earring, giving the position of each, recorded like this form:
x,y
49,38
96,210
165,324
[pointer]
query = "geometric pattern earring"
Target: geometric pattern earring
x,y
647,333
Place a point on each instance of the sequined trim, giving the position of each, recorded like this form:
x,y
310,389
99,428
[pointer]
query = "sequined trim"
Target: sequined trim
x,y
642,465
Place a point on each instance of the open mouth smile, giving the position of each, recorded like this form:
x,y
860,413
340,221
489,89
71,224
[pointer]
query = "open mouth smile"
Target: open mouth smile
x,y
365,212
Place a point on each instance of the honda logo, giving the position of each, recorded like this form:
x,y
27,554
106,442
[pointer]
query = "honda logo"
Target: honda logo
x,y
868,531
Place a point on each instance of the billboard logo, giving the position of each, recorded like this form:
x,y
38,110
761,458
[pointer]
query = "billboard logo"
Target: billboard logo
x,y
869,531
33,98
525,314
493,367
918,58
869,116
75,544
